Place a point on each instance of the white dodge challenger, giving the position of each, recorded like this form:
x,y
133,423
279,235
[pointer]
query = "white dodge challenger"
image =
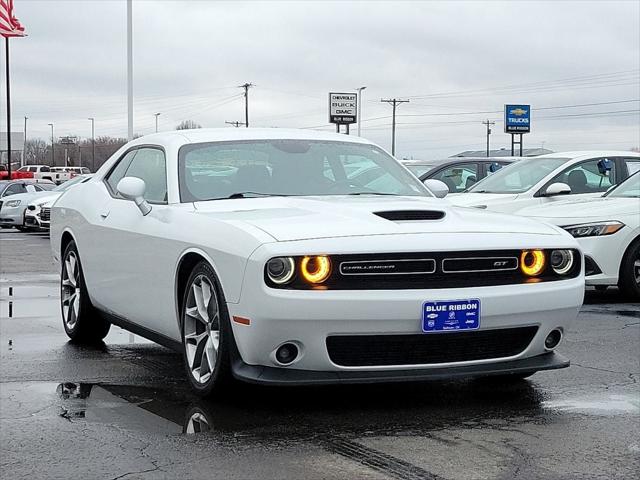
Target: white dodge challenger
x,y
262,254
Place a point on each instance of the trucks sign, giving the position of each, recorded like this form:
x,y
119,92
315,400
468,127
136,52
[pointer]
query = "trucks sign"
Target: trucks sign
x,y
517,118
343,108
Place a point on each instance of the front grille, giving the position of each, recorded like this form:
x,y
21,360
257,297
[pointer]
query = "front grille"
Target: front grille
x,y
45,214
422,349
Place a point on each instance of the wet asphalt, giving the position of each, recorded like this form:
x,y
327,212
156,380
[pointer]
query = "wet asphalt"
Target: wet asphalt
x,y
123,409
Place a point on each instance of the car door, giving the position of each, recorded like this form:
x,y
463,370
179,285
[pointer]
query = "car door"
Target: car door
x,y
584,178
132,270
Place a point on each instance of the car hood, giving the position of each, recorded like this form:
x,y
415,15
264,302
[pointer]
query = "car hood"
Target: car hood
x,y
303,218
46,200
476,199
605,208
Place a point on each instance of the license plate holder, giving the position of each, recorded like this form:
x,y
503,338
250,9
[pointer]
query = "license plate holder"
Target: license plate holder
x,y
450,315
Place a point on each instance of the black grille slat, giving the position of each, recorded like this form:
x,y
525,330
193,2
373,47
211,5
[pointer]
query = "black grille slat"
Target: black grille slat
x,y
45,214
410,215
421,349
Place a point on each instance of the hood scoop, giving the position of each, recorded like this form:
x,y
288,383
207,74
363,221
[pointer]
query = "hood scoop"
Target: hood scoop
x,y
410,215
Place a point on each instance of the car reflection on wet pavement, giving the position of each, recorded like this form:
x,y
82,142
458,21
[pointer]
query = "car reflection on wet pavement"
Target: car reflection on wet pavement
x,y
122,408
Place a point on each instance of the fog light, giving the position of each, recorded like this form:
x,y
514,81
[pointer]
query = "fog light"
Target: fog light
x,y
553,339
532,262
315,269
286,353
561,261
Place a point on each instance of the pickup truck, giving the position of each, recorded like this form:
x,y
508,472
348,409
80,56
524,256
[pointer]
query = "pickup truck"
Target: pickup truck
x,y
37,172
62,174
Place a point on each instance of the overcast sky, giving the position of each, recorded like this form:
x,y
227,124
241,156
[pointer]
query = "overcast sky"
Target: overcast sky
x,y
450,59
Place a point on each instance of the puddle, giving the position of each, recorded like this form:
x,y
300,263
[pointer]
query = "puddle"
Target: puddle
x,y
609,404
296,412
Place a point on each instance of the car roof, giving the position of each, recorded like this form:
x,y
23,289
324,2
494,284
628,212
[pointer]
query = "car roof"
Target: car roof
x,y
201,135
579,154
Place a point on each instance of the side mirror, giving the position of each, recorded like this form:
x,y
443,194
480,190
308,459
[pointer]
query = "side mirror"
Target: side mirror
x,y
132,188
557,188
437,187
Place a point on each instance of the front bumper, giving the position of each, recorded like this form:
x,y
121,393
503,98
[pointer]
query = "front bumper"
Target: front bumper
x,y
606,252
307,318
284,377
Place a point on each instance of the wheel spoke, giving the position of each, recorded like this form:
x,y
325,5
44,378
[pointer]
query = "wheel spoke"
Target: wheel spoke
x,y
199,299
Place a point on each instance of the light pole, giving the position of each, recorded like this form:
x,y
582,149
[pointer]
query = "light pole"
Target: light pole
x,y
360,89
24,145
53,158
93,144
156,115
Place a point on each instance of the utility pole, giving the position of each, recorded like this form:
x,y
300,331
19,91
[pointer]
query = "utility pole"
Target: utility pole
x,y
93,144
488,124
393,102
156,115
53,158
129,70
360,89
246,87
24,146
235,123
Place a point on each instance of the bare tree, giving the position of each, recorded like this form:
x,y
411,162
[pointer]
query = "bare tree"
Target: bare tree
x,y
35,151
187,125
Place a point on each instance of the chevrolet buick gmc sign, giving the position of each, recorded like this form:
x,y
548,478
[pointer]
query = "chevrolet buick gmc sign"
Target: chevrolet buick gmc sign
x,y
517,118
343,108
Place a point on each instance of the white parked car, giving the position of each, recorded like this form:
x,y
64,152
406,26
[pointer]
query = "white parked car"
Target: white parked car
x,y
608,231
549,178
279,269
38,211
15,197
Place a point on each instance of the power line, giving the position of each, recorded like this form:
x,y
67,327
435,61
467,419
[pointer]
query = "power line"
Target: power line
x,y
488,124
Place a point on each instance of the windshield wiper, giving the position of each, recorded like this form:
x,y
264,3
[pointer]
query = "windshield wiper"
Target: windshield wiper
x,y
245,195
372,193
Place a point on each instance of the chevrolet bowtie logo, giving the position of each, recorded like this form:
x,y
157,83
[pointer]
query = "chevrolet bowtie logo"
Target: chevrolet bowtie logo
x,y
518,112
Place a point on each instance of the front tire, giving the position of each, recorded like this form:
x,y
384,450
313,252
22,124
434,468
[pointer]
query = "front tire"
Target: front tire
x,y
629,280
206,332
82,322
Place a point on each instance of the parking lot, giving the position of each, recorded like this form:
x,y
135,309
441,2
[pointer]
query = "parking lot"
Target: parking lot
x,y
124,409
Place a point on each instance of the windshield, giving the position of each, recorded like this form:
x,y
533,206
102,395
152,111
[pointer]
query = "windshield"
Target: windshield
x,y
419,170
630,188
518,177
211,171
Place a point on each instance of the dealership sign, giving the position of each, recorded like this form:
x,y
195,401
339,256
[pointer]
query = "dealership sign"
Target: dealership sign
x,y
517,118
343,108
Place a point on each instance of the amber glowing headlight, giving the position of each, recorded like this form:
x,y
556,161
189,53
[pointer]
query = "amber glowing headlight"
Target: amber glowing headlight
x,y
532,262
315,269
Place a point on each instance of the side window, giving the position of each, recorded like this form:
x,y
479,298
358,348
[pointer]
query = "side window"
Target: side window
x,y
45,169
149,164
458,177
33,169
23,169
117,173
586,177
31,188
633,165
14,189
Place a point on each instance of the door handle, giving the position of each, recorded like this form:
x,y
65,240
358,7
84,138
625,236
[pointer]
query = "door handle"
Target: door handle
x,y
105,213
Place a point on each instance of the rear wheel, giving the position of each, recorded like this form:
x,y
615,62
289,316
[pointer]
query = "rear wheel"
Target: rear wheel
x,y
629,280
206,333
82,322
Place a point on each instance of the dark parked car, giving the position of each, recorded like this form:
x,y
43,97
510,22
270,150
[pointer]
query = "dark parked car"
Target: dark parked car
x,y
458,173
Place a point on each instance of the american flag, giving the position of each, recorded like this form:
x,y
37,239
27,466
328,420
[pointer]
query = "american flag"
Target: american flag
x,y
9,25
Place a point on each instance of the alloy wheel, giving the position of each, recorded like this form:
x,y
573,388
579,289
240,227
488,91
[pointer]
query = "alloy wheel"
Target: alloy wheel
x,y
636,271
201,329
71,290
